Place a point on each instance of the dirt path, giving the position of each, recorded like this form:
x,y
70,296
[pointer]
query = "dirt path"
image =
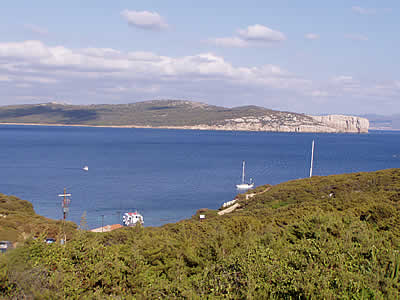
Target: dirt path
x,y
248,196
236,205
229,209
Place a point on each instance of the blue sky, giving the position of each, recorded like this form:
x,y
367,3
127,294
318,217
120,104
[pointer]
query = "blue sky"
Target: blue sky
x,y
314,57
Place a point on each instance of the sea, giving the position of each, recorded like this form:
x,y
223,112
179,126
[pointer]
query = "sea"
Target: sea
x,y
166,175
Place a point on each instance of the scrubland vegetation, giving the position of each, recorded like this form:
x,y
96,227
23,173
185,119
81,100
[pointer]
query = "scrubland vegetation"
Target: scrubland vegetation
x,y
148,113
324,238
19,221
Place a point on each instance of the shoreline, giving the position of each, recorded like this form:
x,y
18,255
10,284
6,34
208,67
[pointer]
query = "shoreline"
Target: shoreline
x,y
77,125
194,127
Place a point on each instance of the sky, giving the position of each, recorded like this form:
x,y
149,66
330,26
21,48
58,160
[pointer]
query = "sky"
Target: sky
x,y
314,57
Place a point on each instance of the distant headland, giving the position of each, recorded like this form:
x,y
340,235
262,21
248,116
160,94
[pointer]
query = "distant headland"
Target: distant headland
x,y
179,114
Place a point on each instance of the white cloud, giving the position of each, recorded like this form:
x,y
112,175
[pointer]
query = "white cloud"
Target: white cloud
x,y
356,37
94,73
253,35
24,50
312,36
144,19
101,52
32,70
363,11
143,56
230,42
261,33
100,62
36,29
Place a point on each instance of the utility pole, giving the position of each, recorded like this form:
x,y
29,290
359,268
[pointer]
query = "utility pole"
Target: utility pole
x,y
102,223
65,207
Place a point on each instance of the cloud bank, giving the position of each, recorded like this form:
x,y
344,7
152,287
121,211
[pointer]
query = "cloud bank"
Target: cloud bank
x,y
32,72
32,64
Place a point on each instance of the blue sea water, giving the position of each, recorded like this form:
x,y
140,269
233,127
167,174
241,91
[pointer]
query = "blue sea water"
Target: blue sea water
x,y
168,174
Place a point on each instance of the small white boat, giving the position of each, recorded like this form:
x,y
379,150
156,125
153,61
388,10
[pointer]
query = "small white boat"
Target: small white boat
x,y
243,185
132,219
85,168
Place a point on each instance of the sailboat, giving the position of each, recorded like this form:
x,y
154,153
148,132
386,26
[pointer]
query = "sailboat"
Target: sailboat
x,y
243,185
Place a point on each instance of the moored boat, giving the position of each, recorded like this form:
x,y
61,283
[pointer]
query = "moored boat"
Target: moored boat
x,y
244,185
132,219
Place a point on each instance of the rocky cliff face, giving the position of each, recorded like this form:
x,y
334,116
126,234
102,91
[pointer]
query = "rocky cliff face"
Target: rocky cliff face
x,y
290,122
344,123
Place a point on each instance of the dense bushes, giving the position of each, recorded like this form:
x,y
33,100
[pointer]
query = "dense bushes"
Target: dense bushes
x,y
325,237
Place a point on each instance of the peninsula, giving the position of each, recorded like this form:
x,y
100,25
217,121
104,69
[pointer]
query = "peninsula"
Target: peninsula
x,y
178,114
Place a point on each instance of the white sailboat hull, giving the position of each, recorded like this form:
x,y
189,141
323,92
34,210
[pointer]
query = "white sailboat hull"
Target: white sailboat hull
x,y
244,186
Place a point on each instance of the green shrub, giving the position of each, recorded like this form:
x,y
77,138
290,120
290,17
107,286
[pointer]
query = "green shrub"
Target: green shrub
x,y
324,237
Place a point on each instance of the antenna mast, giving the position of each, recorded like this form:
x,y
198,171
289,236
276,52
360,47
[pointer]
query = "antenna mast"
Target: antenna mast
x,y
65,207
312,158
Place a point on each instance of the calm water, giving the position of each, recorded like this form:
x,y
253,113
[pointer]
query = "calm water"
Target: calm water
x,y
168,174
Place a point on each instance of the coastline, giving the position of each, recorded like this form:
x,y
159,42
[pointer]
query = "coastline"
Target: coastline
x,y
194,127
77,125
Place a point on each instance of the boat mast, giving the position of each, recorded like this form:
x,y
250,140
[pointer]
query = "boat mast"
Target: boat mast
x,y
243,173
312,158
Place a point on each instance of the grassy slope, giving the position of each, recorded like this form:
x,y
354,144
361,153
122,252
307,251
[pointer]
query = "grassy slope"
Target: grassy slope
x,y
18,220
149,113
294,241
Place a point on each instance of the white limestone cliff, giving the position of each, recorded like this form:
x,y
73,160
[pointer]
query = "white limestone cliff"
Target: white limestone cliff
x,y
344,123
289,122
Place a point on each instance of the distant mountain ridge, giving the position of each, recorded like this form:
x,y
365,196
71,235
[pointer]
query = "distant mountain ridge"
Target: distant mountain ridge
x,y
179,114
380,122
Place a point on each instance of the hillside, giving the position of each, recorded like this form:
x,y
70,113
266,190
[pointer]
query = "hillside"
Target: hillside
x,y
181,115
325,237
19,221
